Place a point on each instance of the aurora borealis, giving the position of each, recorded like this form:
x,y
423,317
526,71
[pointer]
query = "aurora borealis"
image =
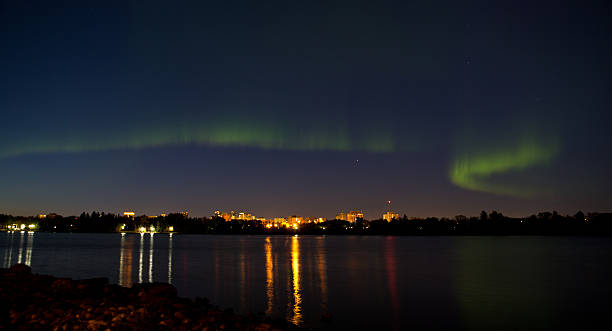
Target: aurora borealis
x,y
474,168
450,108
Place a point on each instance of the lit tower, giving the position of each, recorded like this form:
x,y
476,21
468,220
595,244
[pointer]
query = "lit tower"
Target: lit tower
x,y
389,216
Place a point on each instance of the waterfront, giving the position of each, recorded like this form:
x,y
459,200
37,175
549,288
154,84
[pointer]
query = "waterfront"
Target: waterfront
x,y
365,282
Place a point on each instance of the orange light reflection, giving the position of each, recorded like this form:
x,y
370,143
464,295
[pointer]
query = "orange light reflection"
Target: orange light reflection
x,y
297,293
269,277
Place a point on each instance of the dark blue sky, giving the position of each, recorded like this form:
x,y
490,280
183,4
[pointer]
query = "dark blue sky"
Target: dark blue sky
x,y
449,107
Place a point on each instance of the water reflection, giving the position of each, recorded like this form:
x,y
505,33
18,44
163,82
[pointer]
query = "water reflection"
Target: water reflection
x,y
322,270
243,276
29,244
170,259
295,276
486,284
8,253
24,254
125,260
390,264
216,271
141,248
269,277
20,247
151,242
146,267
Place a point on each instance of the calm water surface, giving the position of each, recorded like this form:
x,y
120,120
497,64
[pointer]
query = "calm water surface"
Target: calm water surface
x,y
365,282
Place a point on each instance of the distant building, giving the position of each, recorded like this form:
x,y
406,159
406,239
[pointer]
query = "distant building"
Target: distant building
x,y
185,214
129,214
295,221
389,216
341,216
353,216
226,216
314,219
244,216
232,215
42,216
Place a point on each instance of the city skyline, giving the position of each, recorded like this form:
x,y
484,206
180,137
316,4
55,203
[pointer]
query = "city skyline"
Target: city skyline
x,y
348,215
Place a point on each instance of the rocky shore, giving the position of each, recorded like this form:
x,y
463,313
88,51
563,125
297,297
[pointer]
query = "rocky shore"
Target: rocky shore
x,y
42,302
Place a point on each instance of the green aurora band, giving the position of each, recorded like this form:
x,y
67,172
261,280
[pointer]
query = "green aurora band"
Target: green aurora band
x,y
221,133
471,169
476,170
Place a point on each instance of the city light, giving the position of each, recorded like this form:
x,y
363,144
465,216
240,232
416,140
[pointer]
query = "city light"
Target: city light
x,y
389,216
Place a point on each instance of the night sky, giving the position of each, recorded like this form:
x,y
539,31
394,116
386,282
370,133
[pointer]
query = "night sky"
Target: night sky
x,y
308,108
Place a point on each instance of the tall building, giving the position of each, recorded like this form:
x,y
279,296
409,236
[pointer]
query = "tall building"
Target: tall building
x,y
389,216
353,216
341,216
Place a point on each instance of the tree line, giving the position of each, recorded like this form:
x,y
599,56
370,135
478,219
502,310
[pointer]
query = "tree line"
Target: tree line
x,y
494,223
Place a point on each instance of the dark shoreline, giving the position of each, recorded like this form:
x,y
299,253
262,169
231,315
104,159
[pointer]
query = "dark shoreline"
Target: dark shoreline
x,y
43,302
496,224
333,234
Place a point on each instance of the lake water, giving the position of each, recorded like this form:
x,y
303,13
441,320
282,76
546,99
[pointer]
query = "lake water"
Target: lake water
x,y
367,282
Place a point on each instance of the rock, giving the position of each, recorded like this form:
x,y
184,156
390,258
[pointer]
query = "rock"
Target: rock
x,y
63,285
20,269
162,290
44,302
